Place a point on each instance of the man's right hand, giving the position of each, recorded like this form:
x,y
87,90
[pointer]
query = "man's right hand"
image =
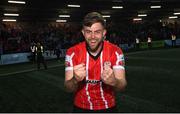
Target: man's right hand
x,y
79,72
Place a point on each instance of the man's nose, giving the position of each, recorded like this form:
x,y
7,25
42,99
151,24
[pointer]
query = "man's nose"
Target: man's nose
x,y
92,35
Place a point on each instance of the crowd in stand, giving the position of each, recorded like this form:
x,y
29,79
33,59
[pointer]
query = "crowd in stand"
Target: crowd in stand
x,y
127,33
15,37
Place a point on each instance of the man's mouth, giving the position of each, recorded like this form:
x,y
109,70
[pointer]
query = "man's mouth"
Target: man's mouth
x,y
92,43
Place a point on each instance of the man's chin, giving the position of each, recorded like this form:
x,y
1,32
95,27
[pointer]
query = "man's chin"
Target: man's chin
x,y
93,49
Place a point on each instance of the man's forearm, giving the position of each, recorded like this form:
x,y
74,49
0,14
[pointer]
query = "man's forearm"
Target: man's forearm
x,y
120,85
71,85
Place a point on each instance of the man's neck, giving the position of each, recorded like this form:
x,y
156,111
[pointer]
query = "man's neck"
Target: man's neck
x,y
96,53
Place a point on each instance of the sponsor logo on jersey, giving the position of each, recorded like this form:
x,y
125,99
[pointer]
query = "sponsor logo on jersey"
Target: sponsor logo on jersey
x,y
93,81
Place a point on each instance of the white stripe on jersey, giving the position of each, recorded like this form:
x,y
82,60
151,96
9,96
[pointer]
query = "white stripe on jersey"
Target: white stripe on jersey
x,y
68,68
69,59
87,74
118,67
89,98
120,57
87,65
101,89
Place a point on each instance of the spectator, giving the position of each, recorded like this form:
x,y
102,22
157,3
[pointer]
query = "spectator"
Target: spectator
x,y
149,41
40,57
33,53
173,39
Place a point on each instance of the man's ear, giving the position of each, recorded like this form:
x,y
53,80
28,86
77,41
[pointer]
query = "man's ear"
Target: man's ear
x,y
82,31
104,32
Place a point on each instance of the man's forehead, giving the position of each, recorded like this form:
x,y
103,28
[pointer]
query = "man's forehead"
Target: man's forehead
x,y
95,26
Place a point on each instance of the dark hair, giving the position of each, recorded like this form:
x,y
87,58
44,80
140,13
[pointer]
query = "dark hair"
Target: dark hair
x,y
92,18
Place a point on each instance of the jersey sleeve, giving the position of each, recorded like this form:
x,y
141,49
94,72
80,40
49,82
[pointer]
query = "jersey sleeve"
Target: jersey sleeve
x,y
118,61
69,59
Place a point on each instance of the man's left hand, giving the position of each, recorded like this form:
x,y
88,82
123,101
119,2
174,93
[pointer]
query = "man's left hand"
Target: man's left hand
x,y
108,77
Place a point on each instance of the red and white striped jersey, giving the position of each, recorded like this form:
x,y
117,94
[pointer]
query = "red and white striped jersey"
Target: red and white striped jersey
x,y
92,93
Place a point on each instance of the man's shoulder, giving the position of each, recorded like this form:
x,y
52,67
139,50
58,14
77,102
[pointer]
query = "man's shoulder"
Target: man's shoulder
x,y
77,47
111,46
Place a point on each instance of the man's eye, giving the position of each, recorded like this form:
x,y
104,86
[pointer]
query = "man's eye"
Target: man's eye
x,y
98,32
88,31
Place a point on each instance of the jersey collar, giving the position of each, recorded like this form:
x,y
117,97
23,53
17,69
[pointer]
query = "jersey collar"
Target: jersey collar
x,y
95,57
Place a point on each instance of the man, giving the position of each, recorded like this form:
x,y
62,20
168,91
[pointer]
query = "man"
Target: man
x,y
137,43
173,39
149,40
40,57
33,53
94,69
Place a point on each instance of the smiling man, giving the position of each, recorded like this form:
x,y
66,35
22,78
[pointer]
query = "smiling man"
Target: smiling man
x,y
94,69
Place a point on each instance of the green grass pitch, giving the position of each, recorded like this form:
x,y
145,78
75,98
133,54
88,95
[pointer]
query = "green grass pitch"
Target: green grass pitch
x,y
153,78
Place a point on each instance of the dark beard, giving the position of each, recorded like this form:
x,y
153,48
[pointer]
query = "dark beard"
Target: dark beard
x,y
94,50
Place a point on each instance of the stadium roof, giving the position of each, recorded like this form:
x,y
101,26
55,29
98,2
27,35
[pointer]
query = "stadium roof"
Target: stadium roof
x,y
49,10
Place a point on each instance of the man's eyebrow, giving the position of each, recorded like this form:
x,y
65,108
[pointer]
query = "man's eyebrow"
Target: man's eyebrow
x,y
91,30
87,30
97,30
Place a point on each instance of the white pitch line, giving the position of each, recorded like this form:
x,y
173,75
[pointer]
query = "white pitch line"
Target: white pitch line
x,y
150,69
147,51
29,70
154,58
133,53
